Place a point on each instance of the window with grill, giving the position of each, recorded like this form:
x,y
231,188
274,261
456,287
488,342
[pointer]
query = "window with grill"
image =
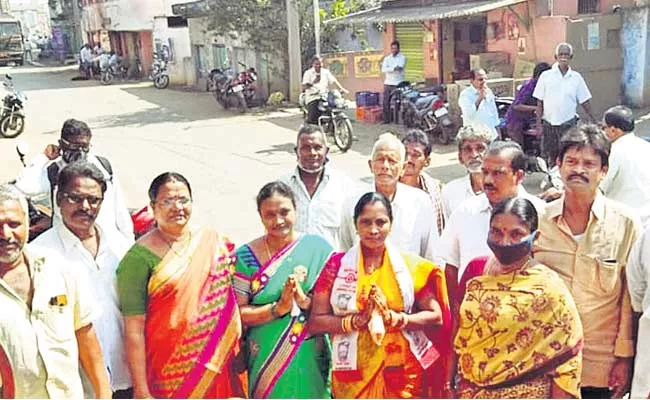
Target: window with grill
x,y
588,6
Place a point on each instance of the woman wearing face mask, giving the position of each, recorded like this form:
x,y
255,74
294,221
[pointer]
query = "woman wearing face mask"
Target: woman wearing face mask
x,y
386,313
519,332
274,280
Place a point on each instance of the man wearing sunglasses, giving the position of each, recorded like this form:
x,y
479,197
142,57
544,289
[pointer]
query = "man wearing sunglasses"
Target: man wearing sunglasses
x,y
95,253
74,145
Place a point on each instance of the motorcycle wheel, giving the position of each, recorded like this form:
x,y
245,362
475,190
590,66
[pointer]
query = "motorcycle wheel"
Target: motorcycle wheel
x,y
161,82
243,105
12,125
409,117
343,134
107,78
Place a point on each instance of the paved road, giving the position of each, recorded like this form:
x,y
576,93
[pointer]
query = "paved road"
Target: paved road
x,y
144,132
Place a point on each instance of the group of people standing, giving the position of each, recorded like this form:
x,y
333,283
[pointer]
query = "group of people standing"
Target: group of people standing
x,y
401,288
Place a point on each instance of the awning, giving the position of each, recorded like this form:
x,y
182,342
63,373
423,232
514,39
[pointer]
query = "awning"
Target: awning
x,y
192,9
422,13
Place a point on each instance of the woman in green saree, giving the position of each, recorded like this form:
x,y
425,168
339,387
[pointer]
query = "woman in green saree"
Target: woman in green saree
x,y
275,275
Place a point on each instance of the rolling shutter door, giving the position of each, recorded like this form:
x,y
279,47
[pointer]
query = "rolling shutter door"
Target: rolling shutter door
x,y
411,39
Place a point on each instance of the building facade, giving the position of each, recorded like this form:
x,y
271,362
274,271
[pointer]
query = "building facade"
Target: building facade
x,y
444,40
136,29
34,16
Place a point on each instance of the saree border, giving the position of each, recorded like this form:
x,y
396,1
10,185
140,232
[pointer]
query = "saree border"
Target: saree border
x,y
162,273
278,360
215,353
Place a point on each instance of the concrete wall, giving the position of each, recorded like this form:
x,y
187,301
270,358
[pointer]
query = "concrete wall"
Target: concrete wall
x,y
272,77
601,67
178,39
349,79
635,40
121,15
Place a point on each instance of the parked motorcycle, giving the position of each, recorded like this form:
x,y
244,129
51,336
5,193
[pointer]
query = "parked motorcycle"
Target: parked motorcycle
x,y
333,121
428,111
12,116
232,90
113,72
159,74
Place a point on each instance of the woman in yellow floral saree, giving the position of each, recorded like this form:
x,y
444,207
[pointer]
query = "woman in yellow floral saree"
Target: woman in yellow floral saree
x,y
519,333
376,304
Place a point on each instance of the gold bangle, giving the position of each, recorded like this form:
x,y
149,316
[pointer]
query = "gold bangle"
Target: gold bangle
x,y
343,325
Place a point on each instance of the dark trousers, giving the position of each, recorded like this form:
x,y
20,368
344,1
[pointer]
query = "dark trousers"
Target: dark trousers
x,y
388,89
595,393
313,112
123,394
551,139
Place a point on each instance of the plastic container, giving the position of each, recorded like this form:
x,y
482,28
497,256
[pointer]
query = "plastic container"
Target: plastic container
x,y
367,99
373,115
360,113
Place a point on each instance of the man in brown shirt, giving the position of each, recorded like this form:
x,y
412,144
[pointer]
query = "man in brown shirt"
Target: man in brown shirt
x,y
586,239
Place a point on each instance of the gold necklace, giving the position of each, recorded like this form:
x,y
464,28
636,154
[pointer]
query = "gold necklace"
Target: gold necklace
x,y
170,244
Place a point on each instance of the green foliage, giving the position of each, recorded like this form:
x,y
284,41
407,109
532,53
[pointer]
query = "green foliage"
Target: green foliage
x,y
265,28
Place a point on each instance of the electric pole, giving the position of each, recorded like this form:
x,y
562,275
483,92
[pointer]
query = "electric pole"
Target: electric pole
x,y
317,26
295,66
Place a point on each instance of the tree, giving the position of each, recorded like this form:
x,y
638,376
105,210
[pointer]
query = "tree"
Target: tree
x,y
263,23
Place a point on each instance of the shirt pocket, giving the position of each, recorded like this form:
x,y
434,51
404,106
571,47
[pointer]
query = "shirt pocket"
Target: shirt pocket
x,y
608,274
328,215
58,322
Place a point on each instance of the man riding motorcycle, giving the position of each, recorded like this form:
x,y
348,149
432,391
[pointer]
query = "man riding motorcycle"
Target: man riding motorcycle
x,y
315,84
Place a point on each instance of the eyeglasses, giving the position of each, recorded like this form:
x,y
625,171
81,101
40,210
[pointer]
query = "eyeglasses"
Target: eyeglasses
x,y
75,146
73,198
168,203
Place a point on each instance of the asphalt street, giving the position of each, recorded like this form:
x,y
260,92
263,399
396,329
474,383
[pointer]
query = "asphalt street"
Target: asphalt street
x,y
227,157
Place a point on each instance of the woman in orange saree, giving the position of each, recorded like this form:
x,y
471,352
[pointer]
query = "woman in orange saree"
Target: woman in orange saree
x,y
377,305
181,317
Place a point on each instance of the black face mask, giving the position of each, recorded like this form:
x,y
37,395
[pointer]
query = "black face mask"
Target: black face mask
x,y
71,156
512,252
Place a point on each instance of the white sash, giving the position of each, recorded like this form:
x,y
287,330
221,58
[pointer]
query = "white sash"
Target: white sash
x,y
344,302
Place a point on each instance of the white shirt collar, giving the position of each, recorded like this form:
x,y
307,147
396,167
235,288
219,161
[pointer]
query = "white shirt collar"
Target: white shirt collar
x,y
70,241
556,67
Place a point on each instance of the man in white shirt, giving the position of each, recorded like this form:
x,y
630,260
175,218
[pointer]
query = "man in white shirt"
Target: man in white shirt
x,y
472,145
466,232
628,177
94,253
393,69
46,328
318,188
413,229
558,93
86,59
638,282
316,82
478,104
40,177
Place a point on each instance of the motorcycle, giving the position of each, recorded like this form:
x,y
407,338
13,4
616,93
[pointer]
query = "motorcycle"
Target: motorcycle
x,y
333,121
428,111
113,71
234,90
12,116
159,74
532,145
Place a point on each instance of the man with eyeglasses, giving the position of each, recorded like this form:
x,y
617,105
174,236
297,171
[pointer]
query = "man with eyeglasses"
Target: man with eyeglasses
x,y
478,105
41,177
94,252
